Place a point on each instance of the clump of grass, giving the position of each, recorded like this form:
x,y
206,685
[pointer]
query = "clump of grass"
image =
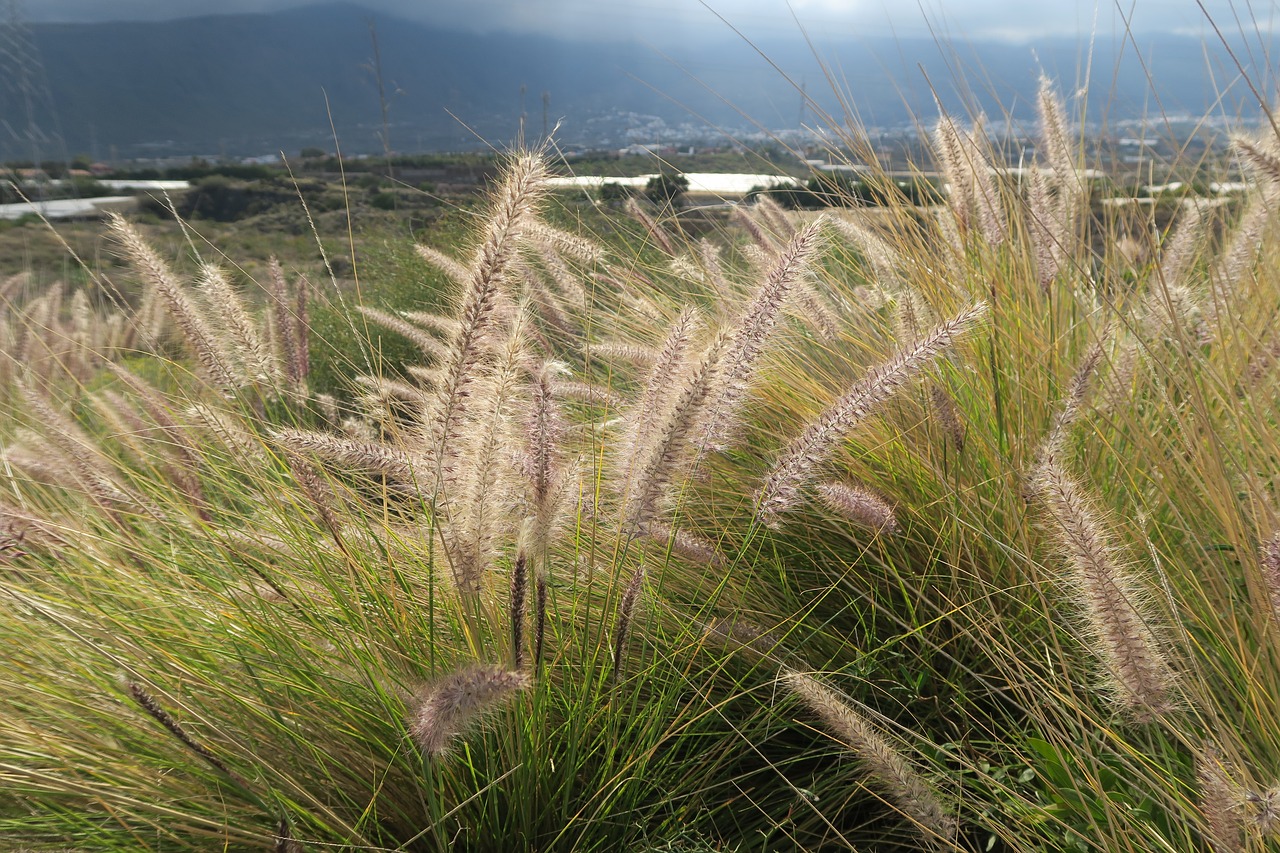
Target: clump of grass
x,y
572,504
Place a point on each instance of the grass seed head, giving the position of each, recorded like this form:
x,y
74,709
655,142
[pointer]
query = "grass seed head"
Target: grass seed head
x,y
443,710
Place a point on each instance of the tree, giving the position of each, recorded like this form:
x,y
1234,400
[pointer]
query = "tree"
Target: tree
x,y
615,193
667,189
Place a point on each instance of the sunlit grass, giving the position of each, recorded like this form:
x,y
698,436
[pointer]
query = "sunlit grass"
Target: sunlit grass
x,y
527,583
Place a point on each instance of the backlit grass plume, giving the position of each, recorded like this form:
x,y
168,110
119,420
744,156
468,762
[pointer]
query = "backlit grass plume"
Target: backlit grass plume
x,y
512,211
187,315
906,787
801,461
737,362
1139,677
442,711
1221,801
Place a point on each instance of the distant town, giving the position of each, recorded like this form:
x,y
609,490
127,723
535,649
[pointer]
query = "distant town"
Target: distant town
x,y
1145,157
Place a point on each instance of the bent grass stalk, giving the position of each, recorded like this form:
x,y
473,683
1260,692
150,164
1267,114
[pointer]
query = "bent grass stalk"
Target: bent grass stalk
x,y
799,463
906,787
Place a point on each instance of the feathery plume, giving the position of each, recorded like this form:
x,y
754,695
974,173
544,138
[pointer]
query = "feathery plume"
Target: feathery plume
x,y
1265,808
564,278
544,432
437,324
512,209
884,259
684,267
328,407
84,347
481,492
549,306
1172,311
859,505
1270,563
613,351
429,344
952,248
948,414
737,364
763,241
957,171
1125,363
251,352
195,328
772,213
224,426
815,312
177,461
586,392
626,615
1261,161
442,711
540,618
80,453
661,385
713,269
1177,251
384,393
798,464
128,428
685,544
1140,677
906,787
149,704
319,493
158,410
737,634
454,269
38,462
300,355
1055,137
285,323
1073,401
1047,232
1054,204
1239,257
149,321
656,232
1219,802
519,590
668,444
39,332
21,531
911,314
992,220
425,377
285,842
579,248
348,453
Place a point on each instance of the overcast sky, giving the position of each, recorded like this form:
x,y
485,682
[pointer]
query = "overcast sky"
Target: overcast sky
x,y
659,20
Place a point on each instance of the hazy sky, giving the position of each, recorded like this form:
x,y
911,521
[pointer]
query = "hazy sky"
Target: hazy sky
x,y
656,20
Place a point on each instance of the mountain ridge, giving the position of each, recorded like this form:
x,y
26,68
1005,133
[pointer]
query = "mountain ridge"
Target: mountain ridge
x,y
253,84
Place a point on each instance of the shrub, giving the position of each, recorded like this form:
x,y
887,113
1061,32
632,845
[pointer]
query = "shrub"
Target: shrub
x,y
667,189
